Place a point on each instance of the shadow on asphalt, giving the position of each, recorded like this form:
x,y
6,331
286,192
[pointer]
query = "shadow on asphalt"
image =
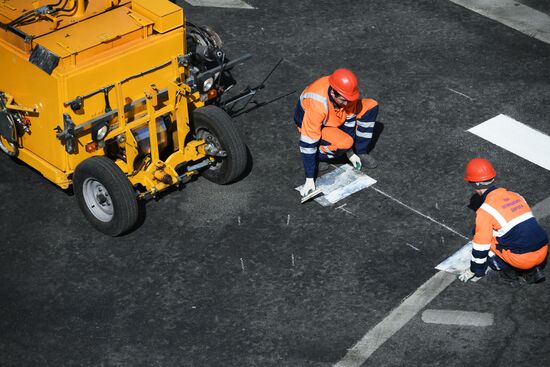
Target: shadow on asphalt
x,y
378,129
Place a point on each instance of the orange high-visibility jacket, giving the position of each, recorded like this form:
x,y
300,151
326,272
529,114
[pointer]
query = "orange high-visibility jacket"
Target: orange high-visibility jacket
x,y
319,110
506,226
315,110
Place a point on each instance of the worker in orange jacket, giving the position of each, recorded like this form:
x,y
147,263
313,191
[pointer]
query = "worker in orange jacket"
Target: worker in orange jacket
x,y
507,236
332,121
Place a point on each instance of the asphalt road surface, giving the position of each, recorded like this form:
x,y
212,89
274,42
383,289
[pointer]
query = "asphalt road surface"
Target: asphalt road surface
x,y
243,275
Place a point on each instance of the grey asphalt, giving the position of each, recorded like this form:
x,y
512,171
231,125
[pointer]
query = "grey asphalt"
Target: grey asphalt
x,y
243,275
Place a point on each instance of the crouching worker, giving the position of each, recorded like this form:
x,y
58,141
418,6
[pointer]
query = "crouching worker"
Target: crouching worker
x,y
333,121
507,237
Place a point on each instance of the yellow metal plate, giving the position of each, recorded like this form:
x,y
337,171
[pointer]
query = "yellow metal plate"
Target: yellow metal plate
x,y
166,16
92,32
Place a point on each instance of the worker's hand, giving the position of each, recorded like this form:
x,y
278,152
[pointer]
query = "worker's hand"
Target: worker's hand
x,y
468,275
309,186
355,161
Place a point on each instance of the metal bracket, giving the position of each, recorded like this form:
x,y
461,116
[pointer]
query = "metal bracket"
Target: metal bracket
x,y
67,135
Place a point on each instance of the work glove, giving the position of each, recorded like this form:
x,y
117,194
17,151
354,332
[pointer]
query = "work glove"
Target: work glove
x,y
355,161
468,275
309,186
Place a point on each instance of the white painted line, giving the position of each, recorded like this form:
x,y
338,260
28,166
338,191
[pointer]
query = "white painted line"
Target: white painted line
x,y
220,3
462,94
455,317
419,213
516,137
513,14
361,351
411,246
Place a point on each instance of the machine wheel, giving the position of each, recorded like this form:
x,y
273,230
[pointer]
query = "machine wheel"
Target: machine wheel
x,y
214,125
8,147
105,196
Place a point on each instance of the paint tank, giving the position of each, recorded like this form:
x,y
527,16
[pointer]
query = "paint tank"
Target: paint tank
x,y
142,136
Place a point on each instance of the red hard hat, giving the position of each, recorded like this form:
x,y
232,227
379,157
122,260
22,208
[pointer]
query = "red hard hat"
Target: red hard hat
x,y
345,83
479,170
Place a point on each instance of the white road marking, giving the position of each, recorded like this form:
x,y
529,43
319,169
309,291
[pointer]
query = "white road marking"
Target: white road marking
x,y
341,207
455,317
517,138
513,14
462,94
411,246
384,330
361,351
419,213
221,3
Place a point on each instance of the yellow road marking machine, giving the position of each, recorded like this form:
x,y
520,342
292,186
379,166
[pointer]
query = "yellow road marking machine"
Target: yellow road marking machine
x,y
116,98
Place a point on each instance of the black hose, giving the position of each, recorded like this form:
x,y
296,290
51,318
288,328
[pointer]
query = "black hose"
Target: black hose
x,y
201,32
74,7
22,18
25,16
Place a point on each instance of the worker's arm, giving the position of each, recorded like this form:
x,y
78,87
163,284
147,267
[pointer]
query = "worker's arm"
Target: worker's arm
x,y
481,243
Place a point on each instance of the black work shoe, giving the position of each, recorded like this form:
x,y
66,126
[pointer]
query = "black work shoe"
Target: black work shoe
x,y
509,275
534,276
367,161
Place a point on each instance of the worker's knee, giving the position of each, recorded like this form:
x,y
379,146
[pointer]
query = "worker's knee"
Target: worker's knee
x,y
346,143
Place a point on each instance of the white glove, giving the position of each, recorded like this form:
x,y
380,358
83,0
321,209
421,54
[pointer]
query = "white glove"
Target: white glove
x,y
309,186
468,275
355,161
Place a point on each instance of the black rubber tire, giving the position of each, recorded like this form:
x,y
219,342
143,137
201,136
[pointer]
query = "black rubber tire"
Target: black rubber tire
x,y
120,192
9,146
217,122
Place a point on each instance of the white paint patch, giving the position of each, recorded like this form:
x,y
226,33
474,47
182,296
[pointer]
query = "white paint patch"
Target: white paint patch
x,y
378,335
517,138
220,3
513,14
455,317
457,262
340,183
341,207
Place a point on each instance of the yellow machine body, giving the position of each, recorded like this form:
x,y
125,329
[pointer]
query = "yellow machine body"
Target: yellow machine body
x,y
117,62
